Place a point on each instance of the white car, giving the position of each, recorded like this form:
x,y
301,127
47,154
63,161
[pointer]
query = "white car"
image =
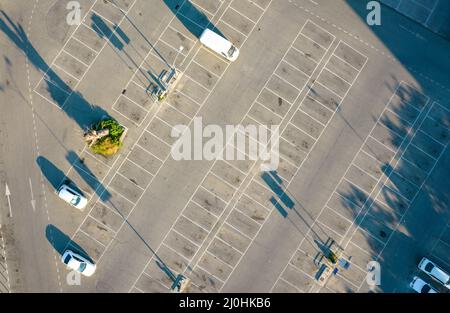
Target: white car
x,y
72,197
421,286
78,263
435,272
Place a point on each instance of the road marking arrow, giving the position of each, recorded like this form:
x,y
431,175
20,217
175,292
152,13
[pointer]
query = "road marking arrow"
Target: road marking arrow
x,y
33,202
8,194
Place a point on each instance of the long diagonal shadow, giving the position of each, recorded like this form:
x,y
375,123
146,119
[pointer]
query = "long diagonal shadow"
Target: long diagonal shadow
x,y
71,102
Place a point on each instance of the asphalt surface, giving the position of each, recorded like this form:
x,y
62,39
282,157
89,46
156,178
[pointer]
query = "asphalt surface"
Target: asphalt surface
x,y
364,123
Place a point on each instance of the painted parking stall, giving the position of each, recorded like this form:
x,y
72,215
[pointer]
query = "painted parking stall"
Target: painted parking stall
x,y
206,205
223,251
367,177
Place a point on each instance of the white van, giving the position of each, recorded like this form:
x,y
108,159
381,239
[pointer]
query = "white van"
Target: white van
x,y
219,45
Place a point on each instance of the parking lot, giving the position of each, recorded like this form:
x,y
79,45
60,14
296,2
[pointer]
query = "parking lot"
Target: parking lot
x,y
213,227
201,72
372,197
304,123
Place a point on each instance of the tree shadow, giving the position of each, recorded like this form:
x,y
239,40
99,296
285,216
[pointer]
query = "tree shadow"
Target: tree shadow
x,y
70,101
405,178
191,17
54,175
61,242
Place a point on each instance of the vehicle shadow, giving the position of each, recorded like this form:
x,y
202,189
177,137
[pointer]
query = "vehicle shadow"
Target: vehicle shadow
x,y
87,175
70,101
191,17
53,174
61,242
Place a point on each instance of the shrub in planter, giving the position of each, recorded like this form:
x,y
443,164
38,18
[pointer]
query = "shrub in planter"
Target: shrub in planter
x,y
109,144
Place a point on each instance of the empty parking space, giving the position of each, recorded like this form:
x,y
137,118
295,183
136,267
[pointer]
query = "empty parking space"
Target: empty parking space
x,y
273,102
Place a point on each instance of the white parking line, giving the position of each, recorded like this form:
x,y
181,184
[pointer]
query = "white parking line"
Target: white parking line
x,y
243,15
330,229
279,96
154,279
321,135
337,213
426,153
301,130
438,142
276,114
343,79
391,130
185,95
412,200
356,185
397,192
233,28
200,85
209,72
250,197
300,110
65,44
298,90
184,236
131,100
195,223
405,178
211,193
323,85
315,42
215,277
341,59
173,48
295,67
203,208
237,230
103,224
139,146
246,114
89,236
127,179
233,166
202,8
285,281
365,172
170,248
84,44
71,55
59,67
118,193
140,167
304,54
221,179
316,100
390,149
128,118
227,244
216,160
401,118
